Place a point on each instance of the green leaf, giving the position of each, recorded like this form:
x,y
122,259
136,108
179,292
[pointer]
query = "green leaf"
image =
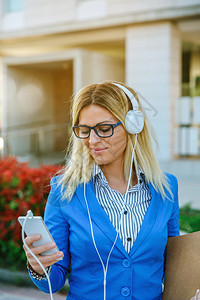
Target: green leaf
x,y
13,205
20,194
14,182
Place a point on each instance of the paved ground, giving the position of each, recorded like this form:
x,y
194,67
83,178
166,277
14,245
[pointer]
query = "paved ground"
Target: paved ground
x,y
9,292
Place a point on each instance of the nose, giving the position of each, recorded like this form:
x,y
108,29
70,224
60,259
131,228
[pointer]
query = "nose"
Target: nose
x,y
94,138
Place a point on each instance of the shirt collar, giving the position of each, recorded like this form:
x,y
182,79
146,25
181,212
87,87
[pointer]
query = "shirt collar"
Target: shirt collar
x,y
98,173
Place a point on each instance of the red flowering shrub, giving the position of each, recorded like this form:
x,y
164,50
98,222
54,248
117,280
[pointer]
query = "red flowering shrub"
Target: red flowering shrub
x,y
21,188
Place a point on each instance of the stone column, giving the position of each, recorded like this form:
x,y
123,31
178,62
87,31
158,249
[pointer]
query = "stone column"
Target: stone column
x,y
153,67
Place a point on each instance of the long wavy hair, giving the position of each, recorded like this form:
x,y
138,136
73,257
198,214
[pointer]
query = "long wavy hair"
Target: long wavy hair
x,y
79,162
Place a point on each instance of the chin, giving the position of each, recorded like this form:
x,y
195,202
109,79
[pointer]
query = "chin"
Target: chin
x,y
101,162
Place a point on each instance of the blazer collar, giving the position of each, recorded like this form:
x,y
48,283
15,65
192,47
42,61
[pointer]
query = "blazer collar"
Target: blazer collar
x,y
101,219
149,219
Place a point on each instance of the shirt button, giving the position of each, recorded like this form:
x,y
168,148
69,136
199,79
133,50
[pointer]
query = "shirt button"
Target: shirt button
x,y
129,239
126,263
125,291
125,212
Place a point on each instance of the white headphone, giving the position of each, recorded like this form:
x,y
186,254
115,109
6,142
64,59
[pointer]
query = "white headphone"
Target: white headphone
x,y
134,120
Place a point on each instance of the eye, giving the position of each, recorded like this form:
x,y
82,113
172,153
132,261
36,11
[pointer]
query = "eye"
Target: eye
x,y
84,130
104,128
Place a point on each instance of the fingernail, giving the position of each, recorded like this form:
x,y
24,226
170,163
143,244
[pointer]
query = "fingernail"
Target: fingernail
x,y
197,290
60,256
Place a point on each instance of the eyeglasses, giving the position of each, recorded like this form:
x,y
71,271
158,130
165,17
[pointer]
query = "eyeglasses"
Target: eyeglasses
x,y
102,130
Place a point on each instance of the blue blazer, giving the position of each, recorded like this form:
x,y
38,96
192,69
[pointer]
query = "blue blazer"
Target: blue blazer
x,y
134,276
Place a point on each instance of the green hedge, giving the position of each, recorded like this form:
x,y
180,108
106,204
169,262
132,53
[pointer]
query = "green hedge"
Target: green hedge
x,y
189,219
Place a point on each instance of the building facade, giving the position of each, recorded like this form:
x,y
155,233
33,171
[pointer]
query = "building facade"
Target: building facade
x,y
50,49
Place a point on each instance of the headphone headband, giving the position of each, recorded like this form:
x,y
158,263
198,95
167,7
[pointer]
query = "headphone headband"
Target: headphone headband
x,y
129,94
134,120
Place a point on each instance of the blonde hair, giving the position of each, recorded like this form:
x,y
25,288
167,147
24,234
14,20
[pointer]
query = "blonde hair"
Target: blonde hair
x,y
79,164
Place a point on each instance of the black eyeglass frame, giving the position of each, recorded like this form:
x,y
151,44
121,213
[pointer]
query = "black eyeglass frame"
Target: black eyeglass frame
x,y
95,130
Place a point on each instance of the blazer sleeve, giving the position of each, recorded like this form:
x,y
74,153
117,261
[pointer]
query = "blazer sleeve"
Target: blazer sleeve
x,y
173,223
59,229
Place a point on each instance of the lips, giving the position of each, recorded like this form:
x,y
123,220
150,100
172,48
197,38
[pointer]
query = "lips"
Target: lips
x,y
98,150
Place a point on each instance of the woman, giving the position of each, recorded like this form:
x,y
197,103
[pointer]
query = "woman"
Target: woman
x,y
113,209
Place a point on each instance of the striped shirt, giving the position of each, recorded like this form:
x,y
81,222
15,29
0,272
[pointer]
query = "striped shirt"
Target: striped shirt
x,y
132,211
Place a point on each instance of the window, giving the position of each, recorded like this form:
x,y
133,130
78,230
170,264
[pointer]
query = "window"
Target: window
x,y
12,5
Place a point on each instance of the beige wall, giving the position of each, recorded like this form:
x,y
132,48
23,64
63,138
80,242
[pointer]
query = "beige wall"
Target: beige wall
x,y
63,91
94,67
38,97
29,105
37,13
40,12
29,94
120,6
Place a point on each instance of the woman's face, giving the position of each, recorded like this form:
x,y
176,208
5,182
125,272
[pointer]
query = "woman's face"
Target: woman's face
x,y
104,150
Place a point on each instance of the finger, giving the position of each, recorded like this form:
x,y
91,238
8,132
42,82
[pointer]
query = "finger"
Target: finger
x,y
32,238
26,248
40,249
45,260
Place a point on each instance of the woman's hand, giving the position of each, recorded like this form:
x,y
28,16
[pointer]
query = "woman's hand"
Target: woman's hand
x,y
196,296
46,260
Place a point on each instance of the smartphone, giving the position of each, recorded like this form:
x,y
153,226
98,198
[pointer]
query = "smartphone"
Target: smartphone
x,y
36,225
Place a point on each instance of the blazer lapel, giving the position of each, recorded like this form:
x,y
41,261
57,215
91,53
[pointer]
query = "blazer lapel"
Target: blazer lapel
x,y
149,220
98,215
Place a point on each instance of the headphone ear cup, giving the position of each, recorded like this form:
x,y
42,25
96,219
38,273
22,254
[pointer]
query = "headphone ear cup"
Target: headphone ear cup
x,y
134,121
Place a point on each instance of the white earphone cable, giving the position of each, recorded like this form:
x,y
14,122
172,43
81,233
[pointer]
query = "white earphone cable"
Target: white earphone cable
x,y
30,214
105,269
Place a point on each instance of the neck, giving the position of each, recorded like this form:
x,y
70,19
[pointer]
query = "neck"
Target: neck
x,y
114,172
